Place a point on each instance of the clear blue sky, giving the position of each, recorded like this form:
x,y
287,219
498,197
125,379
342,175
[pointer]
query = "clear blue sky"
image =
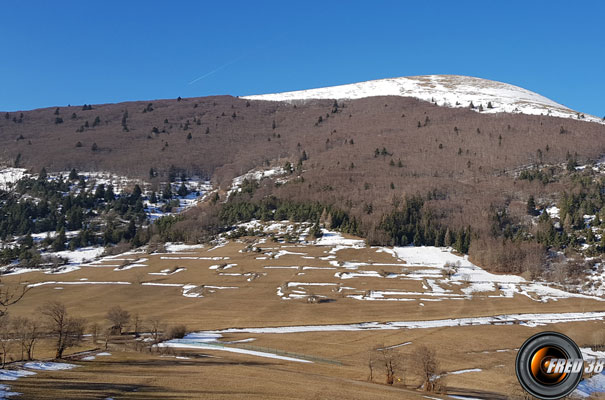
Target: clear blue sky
x,y
55,53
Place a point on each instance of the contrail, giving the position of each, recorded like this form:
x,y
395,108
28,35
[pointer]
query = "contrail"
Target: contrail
x,y
218,69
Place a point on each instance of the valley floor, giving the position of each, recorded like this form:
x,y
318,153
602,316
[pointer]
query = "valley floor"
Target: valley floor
x,y
270,319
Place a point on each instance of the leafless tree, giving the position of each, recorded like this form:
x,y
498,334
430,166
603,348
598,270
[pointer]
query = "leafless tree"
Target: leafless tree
x,y
426,361
136,321
10,294
32,333
94,330
156,333
107,336
6,338
26,333
118,317
371,356
387,359
67,330
177,332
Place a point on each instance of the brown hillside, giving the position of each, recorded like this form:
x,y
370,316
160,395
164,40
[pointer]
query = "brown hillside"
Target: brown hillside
x,y
467,157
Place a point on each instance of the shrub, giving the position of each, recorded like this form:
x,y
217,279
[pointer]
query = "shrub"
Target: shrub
x,y
177,332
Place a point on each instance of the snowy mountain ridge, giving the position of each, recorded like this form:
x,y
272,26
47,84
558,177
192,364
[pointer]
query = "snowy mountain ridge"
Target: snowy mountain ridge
x,y
444,90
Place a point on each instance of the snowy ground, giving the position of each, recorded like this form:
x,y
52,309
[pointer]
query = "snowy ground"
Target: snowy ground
x,y
594,384
8,176
26,370
211,342
254,175
444,276
444,90
529,320
197,188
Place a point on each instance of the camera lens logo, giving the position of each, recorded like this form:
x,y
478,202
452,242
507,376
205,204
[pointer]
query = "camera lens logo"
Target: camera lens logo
x,y
549,365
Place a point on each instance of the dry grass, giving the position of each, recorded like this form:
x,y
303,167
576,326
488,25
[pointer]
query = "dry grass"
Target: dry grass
x,y
255,304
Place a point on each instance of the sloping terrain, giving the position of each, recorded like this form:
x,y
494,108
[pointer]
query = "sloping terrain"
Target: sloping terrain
x,y
262,297
362,152
445,90
256,306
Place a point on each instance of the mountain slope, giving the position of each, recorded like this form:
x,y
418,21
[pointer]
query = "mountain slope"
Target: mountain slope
x,y
444,90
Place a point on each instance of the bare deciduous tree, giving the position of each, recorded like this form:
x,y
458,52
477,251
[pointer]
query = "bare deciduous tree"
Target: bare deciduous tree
x,y
10,294
94,331
136,321
426,361
118,317
26,332
156,333
6,339
67,330
387,359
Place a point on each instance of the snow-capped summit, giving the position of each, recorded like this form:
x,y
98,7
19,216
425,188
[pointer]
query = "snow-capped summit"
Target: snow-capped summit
x,y
444,90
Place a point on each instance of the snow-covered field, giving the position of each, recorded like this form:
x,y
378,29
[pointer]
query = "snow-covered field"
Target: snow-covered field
x,y
444,90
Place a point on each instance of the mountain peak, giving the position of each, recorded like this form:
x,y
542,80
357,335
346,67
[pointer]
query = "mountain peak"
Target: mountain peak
x,y
444,90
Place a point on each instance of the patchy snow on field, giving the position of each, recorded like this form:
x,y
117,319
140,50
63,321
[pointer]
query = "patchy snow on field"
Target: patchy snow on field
x,y
82,255
5,392
529,320
48,366
162,284
14,374
209,341
166,272
222,267
447,268
191,290
31,285
14,270
588,386
444,274
189,345
395,346
335,239
464,371
180,247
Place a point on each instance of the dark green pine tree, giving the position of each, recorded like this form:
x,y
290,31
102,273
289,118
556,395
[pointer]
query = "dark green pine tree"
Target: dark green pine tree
x,y
167,192
43,175
59,242
531,206
316,231
136,194
109,194
183,191
131,231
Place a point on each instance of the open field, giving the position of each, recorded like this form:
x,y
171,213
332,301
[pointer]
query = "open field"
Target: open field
x,y
253,294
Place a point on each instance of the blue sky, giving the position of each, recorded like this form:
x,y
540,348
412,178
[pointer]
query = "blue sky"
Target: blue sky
x,y
74,52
